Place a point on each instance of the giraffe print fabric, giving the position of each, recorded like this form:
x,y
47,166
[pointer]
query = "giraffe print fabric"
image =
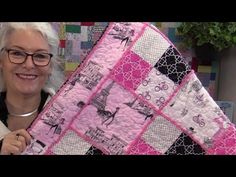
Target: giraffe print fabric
x,y
134,94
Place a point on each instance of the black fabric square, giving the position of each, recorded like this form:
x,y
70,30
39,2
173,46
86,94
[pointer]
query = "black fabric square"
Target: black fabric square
x,y
173,65
94,151
184,145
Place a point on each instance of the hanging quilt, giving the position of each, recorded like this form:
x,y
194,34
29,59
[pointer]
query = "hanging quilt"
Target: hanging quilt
x,y
133,94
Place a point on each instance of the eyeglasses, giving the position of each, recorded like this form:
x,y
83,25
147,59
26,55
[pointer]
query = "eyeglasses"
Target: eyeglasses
x,y
18,57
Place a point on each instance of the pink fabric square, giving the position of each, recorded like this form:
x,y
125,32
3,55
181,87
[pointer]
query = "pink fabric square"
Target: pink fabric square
x,y
140,147
110,120
225,142
131,70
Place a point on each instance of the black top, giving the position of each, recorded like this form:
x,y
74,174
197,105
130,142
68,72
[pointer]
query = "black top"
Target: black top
x,y
4,111
3,107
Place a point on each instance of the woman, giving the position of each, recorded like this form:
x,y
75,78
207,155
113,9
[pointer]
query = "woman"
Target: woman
x,y
29,74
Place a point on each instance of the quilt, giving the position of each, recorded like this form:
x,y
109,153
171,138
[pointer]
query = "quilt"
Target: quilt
x,y
134,94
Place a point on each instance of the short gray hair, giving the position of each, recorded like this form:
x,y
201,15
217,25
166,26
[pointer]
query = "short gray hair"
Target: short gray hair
x,y
57,76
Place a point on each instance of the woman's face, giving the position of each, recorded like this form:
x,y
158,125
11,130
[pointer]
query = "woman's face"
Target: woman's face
x,y
25,78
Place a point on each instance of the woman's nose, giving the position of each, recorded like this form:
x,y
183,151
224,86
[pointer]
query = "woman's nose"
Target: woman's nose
x,y
29,63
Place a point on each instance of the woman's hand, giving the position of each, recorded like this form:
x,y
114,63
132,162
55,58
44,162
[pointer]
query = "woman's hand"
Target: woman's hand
x,y
15,142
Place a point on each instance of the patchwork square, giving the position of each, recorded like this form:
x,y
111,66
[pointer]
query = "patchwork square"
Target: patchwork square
x,y
150,46
115,119
156,88
161,134
94,151
70,144
131,70
140,147
184,145
173,65
194,110
224,143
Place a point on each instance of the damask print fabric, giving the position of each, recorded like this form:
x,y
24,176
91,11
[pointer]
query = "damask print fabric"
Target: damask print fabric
x,y
134,94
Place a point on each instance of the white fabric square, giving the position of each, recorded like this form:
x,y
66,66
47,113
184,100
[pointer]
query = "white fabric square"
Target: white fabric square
x,y
151,46
71,144
194,109
156,88
161,134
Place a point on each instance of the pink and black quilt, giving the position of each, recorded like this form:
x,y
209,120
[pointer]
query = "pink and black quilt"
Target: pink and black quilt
x,y
134,94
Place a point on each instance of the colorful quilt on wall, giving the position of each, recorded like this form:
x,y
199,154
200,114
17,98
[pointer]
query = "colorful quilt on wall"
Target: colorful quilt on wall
x,y
76,41
134,94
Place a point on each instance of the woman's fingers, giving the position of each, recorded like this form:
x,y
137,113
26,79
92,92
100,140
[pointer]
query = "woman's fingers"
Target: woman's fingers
x,y
23,142
15,142
19,144
25,134
10,149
